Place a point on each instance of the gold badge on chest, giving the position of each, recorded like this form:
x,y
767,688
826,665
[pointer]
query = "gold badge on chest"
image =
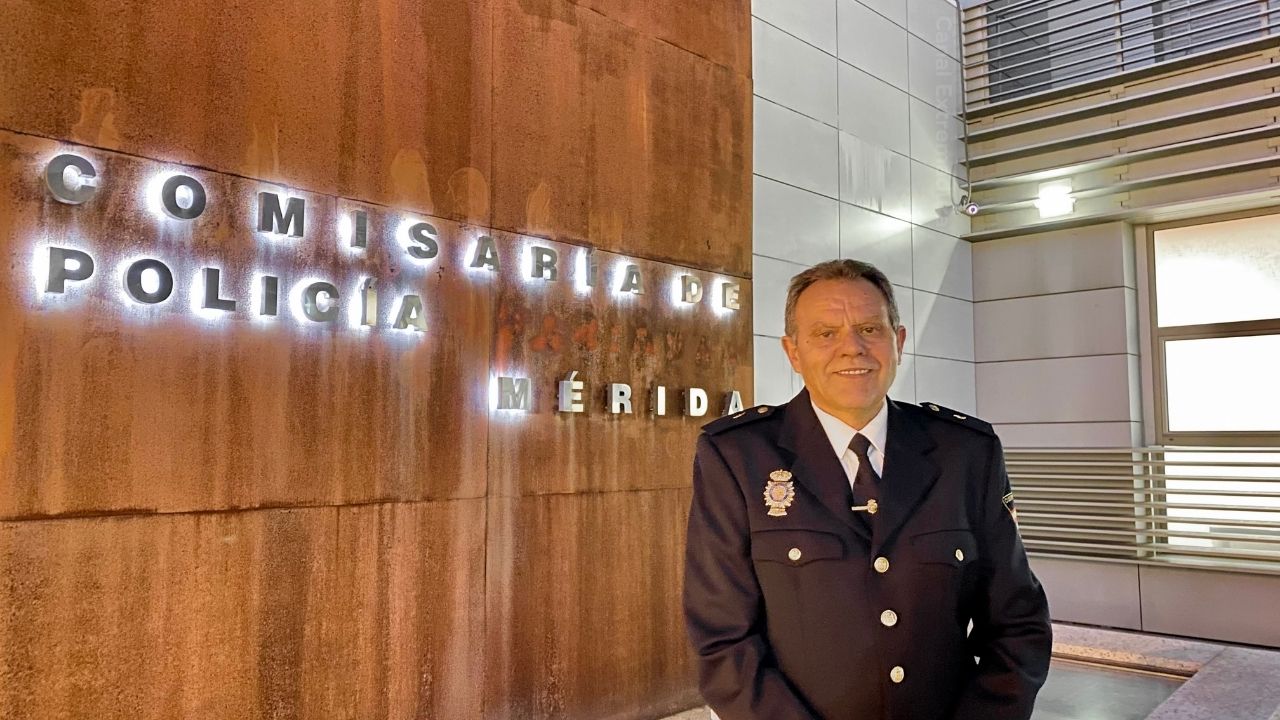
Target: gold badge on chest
x,y
779,492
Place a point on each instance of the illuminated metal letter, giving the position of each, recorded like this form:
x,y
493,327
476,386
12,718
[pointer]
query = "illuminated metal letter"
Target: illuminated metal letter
x,y
729,296
513,393
320,302
272,219
632,282
619,398
590,268
690,289
422,237
67,264
695,402
212,291
360,234
194,196
133,281
733,403
660,400
486,254
71,178
571,394
544,264
368,303
270,295
411,314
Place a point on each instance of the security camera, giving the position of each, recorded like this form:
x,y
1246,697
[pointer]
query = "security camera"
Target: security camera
x,y
968,206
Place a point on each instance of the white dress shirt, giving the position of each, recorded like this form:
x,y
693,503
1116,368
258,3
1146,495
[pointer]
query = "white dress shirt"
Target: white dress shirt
x,y
840,434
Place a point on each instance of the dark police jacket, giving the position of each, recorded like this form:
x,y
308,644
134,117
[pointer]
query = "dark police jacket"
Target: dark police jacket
x,y
787,614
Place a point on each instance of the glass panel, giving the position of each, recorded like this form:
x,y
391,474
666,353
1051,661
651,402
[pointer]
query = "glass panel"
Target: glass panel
x,y
1220,272
1089,692
1223,384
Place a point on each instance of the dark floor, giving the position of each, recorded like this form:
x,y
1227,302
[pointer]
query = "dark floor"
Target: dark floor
x,y
1086,692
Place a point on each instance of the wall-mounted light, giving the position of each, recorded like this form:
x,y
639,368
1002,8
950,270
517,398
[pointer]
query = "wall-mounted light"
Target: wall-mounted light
x,y
1055,199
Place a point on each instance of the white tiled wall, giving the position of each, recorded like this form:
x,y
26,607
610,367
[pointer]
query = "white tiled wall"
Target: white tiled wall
x,y
1056,338
857,145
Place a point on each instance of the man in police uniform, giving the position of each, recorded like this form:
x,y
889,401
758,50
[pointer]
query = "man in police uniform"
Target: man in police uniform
x,y
841,544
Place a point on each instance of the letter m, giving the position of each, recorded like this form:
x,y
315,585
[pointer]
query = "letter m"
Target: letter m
x,y
273,219
513,393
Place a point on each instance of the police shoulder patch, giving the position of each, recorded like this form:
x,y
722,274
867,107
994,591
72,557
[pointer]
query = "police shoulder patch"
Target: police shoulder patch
x,y
1009,505
959,418
739,418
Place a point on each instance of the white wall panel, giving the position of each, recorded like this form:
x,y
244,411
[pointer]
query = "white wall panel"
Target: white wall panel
x,y
942,263
793,73
904,384
935,200
936,22
813,21
937,139
776,383
794,224
874,110
934,76
906,300
770,279
943,326
869,41
874,178
1093,593
946,382
1052,262
895,10
1236,607
1077,434
795,149
1084,389
878,239
1092,322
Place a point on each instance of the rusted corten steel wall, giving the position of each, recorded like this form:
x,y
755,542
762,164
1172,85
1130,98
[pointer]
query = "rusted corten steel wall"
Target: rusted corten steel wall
x,y
225,516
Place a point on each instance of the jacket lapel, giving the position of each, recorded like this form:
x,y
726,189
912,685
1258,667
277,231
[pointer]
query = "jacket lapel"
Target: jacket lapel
x,y
816,469
909,473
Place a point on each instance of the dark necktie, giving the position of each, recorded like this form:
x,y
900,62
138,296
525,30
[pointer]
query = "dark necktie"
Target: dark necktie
x,y
866,484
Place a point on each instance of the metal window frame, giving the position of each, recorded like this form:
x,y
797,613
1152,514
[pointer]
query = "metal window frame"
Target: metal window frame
x,y
1154,339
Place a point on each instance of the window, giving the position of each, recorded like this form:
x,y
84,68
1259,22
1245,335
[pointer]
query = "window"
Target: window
x,y
1217,334
1216,312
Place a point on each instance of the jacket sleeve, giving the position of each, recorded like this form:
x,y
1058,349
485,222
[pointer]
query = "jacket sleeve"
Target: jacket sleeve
x,y
1011,636
723,605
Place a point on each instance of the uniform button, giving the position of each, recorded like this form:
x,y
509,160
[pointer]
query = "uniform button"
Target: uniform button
x,y
882,564
897,674
888,618
794,554
959,555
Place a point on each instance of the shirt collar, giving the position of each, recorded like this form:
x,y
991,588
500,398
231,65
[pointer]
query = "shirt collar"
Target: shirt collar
x,y
840,434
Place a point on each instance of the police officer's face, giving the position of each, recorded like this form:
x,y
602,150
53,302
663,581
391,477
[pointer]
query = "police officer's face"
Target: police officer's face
x,y
845,347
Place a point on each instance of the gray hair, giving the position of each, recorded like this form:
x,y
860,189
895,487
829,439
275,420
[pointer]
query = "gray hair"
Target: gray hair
x,y
839,270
